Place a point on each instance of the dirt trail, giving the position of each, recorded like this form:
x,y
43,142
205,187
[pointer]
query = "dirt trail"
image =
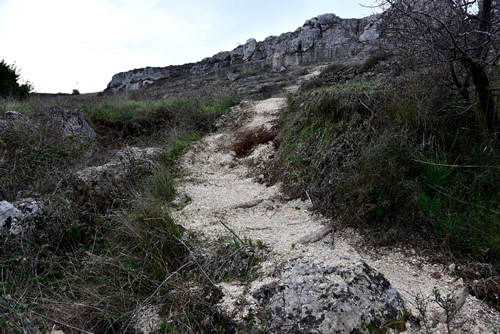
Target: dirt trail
x,y
218,183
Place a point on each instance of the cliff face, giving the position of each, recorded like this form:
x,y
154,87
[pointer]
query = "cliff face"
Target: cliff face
x,y
323,38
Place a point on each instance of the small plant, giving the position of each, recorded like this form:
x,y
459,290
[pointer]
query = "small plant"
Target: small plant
x,y
293,246
397,325
260,244
236,243
448,303
163,185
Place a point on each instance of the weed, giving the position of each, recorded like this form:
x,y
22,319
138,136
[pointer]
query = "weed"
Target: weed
x,y
437,175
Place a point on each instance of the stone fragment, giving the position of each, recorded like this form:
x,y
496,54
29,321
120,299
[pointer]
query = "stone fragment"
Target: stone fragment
x,y
20,216
8,214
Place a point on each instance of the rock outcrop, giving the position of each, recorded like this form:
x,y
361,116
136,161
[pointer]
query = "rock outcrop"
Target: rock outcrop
x,y
323,38
10,118
70,123
111,178
315,297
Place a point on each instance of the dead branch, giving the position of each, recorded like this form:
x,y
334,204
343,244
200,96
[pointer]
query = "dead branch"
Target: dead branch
x,y
316,236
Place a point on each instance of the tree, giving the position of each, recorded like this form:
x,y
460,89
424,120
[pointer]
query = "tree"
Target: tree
x,y
464,35
9,85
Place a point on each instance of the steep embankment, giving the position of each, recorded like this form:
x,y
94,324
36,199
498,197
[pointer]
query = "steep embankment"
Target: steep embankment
x,y
224,182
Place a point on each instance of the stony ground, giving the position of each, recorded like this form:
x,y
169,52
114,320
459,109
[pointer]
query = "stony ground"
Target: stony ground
x,y
228,192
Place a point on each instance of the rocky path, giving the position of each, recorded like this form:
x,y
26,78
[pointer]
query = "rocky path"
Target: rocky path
x,y
226,193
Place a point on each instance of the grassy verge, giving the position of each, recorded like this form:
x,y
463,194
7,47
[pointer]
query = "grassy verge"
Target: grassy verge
x,y
403,160
112,266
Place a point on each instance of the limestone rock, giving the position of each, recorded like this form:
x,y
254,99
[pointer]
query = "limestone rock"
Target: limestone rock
x,y
10,118
370,31
327,20
323,38
8,214
233,76
70,123
110,178
20,216
249,48
6,116
133,80
313,297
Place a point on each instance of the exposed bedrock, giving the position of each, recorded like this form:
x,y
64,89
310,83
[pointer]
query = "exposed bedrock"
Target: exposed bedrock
x,y
323,38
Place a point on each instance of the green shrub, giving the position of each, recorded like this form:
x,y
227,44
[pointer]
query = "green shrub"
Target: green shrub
x,y
374,156
40,157
163,186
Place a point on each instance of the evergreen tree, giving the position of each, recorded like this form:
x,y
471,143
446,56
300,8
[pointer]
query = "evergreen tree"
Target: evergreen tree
x,y
9,85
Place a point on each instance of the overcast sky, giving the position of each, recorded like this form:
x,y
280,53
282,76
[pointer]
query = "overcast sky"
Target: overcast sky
x,y
61,45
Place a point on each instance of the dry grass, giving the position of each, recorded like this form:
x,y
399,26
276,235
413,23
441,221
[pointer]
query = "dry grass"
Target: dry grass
x,y
390,159
94,264
246,141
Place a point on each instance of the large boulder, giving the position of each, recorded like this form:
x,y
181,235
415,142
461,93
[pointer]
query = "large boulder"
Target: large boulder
x,y
249,48
10,118
111,178
70,123
315,297
370,31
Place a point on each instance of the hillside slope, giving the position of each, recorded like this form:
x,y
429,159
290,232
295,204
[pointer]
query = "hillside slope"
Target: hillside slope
x,y
228,195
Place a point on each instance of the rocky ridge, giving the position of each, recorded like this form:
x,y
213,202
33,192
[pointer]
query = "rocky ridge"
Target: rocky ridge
x,y
321,39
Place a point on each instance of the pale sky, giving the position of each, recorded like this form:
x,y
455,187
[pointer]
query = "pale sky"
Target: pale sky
x,y
61,45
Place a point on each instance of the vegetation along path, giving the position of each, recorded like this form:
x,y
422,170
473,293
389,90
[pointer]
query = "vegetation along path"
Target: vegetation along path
x,y
225,191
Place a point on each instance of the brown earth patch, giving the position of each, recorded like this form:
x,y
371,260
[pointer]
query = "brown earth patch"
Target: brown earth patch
x,y
247,140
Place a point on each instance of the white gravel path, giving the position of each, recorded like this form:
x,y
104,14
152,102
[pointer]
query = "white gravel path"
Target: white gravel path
x,y
216,180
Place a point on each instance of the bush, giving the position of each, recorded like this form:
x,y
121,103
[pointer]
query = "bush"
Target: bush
x,y
9,86
392,159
